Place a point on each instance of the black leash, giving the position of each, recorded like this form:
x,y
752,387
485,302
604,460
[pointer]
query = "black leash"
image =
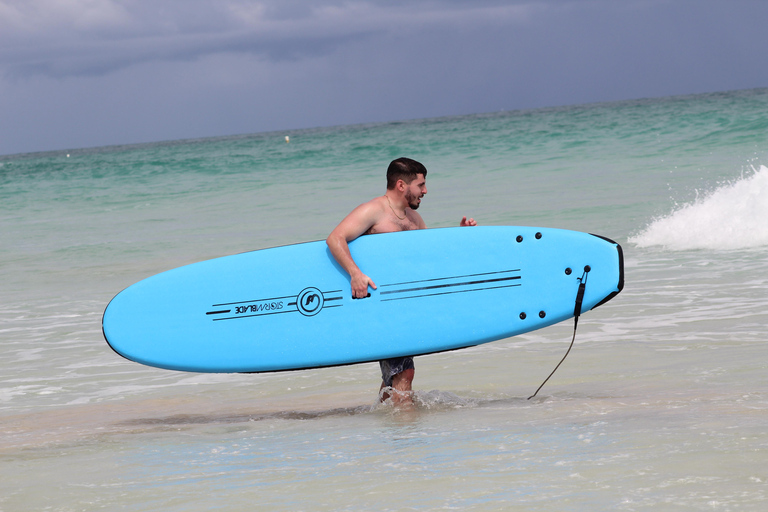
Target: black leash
x,y
576,313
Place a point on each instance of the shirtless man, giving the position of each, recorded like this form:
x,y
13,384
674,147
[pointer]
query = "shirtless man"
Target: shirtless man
x,y
394,211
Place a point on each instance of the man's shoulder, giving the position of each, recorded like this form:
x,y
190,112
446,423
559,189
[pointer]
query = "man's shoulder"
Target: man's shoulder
x,y
368,213
373,207
379,201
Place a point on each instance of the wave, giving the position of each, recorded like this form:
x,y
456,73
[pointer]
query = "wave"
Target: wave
x,y
732,217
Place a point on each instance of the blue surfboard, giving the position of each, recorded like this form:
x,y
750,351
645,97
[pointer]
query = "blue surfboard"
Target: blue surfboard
x,y
291,307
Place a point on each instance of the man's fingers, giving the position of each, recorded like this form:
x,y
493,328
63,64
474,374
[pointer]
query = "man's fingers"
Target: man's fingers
x,y
360,288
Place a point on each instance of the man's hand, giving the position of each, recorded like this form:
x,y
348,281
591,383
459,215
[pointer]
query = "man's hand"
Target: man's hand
x,y
360,284
467,222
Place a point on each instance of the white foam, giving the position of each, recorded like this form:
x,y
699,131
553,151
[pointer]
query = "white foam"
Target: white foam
x,y
734,216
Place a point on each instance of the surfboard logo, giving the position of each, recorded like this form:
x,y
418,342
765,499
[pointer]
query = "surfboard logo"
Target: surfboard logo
x,y
310,301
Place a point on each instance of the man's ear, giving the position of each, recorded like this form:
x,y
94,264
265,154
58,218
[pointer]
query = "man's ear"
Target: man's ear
x,y
401,185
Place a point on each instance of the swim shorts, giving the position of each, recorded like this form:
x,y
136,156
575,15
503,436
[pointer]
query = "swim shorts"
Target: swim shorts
x,y
391,367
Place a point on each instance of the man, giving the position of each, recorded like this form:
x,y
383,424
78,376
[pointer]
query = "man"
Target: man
x,y
394,211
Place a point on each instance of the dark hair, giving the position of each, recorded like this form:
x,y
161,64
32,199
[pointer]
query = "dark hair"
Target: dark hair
x,y
404,169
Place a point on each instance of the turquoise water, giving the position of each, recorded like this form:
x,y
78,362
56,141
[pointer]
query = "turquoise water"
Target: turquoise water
x,y
662,404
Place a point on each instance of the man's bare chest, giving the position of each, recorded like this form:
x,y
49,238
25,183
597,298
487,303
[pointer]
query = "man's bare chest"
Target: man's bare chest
x,y
391,225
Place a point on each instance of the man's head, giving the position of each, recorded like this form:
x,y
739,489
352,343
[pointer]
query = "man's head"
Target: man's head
x,y
409,178
404,169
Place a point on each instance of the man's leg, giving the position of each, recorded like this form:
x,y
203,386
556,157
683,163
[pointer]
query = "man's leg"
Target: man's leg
x,y
397,373
402,386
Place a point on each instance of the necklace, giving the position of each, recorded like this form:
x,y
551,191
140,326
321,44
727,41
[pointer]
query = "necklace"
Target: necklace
x,y
393,210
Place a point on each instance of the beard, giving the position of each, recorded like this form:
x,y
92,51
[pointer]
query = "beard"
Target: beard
x,y
413,201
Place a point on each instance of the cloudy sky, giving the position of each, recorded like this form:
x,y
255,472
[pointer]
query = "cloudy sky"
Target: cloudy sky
x,y
83,73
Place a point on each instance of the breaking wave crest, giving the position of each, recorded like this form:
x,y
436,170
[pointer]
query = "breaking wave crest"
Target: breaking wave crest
x,y
734,216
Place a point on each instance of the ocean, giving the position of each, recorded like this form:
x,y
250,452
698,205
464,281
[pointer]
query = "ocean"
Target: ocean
x,y
661,405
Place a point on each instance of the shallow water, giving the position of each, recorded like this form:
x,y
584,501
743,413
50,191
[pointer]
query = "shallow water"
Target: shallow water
x,y
661,404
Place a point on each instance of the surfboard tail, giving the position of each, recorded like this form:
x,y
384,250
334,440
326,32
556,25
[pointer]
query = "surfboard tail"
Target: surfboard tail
x,y
620,280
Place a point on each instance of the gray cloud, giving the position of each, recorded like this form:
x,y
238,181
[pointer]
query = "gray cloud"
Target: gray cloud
x,y
93,72
92,37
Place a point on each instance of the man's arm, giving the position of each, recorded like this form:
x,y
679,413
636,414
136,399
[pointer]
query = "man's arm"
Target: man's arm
x,y
354,225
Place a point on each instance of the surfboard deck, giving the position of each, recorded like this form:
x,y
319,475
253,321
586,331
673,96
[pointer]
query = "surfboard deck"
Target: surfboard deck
x,y
291,307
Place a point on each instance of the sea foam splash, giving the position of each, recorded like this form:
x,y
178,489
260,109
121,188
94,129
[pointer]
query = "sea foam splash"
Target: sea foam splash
x,y
734,216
